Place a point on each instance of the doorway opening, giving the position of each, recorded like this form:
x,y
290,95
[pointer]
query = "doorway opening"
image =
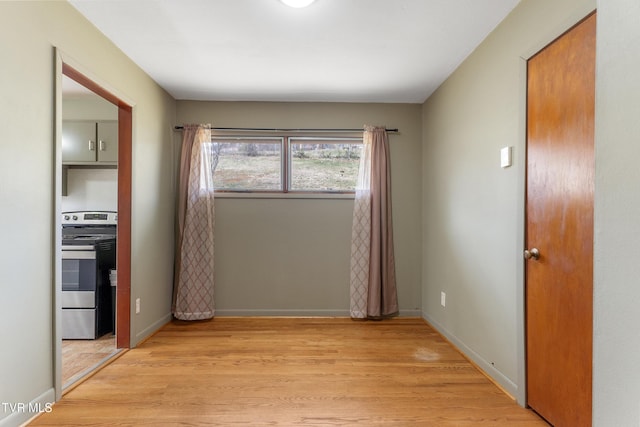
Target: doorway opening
x,y
79,357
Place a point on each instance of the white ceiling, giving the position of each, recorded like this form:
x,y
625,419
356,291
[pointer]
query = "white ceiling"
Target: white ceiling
x,y
262,50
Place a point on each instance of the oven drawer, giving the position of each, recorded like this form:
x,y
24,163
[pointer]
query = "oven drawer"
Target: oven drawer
x,y
78,299
78,323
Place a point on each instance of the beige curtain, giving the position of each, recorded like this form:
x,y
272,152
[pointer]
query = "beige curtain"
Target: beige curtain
x,y
373,276
193,281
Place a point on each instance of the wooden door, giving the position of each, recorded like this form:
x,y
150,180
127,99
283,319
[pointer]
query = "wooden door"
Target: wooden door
x,y
560,174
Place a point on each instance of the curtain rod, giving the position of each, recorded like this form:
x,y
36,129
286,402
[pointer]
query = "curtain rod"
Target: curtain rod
x,y
288,130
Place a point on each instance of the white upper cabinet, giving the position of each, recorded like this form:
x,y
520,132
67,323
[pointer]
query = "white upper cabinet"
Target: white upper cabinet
x,y
89,142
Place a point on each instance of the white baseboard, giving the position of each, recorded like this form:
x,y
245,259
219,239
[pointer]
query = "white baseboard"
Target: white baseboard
x,y
151,329
490,370
299,313
249,312
410,313
22,413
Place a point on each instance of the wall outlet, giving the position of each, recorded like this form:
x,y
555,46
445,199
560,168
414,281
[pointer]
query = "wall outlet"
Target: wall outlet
x,y
443,299
137,305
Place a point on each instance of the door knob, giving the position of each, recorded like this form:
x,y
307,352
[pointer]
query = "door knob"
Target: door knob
x,y
532,253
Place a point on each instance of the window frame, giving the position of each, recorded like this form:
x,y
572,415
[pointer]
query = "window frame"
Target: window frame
x,y
285,166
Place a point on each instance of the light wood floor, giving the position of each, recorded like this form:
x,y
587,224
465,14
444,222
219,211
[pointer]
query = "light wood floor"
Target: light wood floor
x,y
290,372
80,357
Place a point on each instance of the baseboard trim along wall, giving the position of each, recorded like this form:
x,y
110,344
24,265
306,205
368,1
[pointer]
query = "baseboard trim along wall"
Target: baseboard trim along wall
x,y
299,313
488,369
249,312
152,329
22,413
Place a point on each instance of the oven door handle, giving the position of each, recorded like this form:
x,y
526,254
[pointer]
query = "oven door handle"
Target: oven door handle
x,y
78,254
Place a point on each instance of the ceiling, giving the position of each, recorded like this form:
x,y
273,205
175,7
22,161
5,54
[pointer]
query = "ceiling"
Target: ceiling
x,y
262,50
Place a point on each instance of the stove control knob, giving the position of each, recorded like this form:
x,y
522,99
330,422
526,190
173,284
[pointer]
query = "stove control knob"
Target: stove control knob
x,y
66,217
75,217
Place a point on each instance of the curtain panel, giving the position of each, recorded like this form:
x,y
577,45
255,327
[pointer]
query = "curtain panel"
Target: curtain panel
x,y
194,267
373,287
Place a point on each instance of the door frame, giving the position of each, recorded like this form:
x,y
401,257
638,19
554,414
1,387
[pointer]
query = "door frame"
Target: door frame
x,y
545,37
65,65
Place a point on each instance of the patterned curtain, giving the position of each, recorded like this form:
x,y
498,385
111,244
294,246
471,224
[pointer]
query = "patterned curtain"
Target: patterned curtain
x,y
373,276
193,281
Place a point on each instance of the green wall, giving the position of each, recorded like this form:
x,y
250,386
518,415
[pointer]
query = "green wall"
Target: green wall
x,y
290,256
473,210
28,155
616,335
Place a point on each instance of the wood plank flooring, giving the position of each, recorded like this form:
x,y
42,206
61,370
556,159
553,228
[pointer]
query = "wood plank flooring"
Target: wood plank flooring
x,y
290,372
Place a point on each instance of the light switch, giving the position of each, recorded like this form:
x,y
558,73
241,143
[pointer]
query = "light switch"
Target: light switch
x,y
505,157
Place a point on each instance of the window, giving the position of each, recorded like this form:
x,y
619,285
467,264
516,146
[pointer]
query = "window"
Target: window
x,y
247,164
300,164
326,165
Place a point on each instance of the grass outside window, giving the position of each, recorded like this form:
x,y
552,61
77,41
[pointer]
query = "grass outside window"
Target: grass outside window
x,y
285,164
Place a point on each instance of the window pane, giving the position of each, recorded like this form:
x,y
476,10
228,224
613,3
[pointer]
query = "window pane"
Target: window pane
x,y
324,164
247,164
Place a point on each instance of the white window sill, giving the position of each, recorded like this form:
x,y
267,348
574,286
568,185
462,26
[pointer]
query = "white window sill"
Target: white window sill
x,y
250,195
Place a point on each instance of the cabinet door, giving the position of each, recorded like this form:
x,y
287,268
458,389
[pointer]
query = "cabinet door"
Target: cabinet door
x,y
107,141
78,141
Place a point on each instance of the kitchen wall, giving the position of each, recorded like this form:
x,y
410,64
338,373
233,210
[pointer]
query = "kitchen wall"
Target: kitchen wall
x,y
29,31
291,256
91,189
473,210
